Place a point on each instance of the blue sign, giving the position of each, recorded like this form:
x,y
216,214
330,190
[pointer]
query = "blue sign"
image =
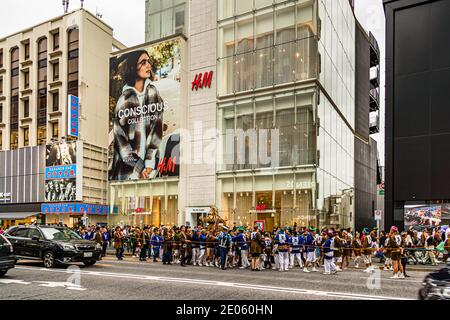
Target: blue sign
x,y
74,208
73,114
61,172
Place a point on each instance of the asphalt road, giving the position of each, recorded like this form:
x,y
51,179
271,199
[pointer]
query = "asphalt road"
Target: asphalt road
x,y
110,279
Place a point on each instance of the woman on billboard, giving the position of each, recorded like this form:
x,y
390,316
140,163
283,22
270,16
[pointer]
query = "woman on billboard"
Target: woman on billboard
x,y
138,121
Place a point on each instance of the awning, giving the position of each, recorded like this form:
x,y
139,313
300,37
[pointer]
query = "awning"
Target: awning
x,y
17,215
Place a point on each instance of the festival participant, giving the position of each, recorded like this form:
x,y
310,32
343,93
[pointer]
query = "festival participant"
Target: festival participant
x,y
203,238
224,242
328,250
256,248
295,251
268,247
195,245
310,249
395,243
338,248
282,243
241,242
367,250
347,249
356,244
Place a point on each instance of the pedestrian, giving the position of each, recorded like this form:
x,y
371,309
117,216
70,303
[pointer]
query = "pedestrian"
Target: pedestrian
x,y
168,245
282,244
183,245
144,241
347,250
256,248
202,238
224,242
310,249
268,247
367,250
156,244
328,250
98,236
395,243
242,245
295,251
356,244
210,249
403,253
337,252
106,239
118,243
195,245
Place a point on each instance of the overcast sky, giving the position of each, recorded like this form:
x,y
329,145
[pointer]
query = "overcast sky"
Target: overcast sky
x,y
128,20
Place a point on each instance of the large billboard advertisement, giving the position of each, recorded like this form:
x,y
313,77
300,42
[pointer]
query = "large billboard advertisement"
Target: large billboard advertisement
x,y
63,181
427,216
145,102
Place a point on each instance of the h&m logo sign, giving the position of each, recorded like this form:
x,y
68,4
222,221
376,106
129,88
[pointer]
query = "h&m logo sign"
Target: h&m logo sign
x,y
202,80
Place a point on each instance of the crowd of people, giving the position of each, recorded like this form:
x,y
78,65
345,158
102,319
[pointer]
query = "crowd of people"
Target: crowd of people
x,y
282,249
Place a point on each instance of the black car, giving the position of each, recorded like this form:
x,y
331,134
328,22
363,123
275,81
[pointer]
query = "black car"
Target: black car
x,y
7,260
436,285
53,245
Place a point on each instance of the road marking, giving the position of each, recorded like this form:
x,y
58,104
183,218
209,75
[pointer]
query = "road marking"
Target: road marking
x,y
397,280
8,281
224,284
66,285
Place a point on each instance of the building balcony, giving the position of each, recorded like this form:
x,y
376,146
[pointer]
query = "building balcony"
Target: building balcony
x,y
374,126
374,51
374,95
375,77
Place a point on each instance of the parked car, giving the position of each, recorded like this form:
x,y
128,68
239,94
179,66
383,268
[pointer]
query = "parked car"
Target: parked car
x,y
436,285
53,245
7,260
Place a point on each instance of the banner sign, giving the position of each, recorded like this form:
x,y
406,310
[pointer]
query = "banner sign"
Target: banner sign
x,y
74,208
61,172
145,104
72,116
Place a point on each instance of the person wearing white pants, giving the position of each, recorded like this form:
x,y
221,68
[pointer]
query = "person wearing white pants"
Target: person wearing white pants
x,y
241,241
201,260
195,245
310,251
294,244
328,248
282,241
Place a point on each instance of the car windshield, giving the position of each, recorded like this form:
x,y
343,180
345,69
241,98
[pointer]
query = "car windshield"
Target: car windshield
x,y
59,234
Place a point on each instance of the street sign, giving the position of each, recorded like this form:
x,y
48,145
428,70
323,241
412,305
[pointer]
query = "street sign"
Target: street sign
x,y
378,214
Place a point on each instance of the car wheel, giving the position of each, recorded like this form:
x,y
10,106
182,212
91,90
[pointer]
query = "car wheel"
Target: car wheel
x,y
89,263
2,273
49,259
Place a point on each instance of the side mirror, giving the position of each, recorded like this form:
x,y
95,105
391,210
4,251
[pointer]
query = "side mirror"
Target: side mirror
x,y
35,239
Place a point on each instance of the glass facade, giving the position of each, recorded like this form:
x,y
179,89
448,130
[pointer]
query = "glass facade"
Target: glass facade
x,y
264,45
165,18
266,49
134,206
336,141
291,113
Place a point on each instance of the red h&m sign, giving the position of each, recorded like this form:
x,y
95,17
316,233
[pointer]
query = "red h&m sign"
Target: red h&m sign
x,y
202,80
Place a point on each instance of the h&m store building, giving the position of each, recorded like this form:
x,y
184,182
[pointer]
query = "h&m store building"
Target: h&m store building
x,y
284,68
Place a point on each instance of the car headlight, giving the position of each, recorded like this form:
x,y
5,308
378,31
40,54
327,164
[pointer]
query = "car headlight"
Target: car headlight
x,y
446,293
68,247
